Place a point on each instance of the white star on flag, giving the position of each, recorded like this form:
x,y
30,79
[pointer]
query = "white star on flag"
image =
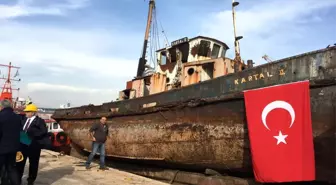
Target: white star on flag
x,y
280,138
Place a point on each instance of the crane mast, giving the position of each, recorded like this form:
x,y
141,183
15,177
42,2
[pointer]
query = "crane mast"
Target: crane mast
x,y
142,60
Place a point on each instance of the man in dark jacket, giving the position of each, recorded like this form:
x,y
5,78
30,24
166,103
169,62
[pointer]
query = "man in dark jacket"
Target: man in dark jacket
x,y
10,127
99,134
35,129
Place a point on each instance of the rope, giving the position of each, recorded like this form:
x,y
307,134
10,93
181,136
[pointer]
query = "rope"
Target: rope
x,y
53,154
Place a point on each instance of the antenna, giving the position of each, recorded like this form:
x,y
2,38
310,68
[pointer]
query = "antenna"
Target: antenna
x,y
237,38
7,87
267,58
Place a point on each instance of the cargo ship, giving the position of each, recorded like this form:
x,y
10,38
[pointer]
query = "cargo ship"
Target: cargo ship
x,y
189,110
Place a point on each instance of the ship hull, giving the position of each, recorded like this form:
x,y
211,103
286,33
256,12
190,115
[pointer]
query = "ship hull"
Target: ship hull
x,y
204,125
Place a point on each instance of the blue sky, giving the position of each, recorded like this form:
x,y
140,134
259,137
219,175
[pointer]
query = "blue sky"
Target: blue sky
x,y
84,51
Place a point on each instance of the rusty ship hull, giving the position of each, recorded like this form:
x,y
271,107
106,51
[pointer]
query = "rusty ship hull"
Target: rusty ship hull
x,y
204,125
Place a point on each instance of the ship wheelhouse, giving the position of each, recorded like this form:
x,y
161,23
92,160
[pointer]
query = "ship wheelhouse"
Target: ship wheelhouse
x,y
184,62
189,50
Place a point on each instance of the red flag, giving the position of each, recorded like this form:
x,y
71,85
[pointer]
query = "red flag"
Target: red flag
x,y
280,132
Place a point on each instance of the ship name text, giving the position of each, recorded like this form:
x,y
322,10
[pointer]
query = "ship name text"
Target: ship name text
x,y
258,76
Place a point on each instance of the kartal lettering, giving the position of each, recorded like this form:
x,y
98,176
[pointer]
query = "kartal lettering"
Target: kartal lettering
x,y
257,77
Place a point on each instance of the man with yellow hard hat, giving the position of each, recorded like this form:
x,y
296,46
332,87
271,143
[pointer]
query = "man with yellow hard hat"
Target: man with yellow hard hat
x,y
33,138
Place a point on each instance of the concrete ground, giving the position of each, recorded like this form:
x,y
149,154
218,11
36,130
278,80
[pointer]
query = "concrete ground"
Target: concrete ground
x,y
66,170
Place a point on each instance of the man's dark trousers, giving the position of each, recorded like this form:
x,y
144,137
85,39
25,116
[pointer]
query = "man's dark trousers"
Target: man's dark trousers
x,y
8,161
10,127
32,152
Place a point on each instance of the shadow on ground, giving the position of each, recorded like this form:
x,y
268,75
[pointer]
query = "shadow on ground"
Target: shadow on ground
x,y
53,175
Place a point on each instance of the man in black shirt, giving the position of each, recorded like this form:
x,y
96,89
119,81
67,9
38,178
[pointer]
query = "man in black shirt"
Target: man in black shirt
x,y
98,133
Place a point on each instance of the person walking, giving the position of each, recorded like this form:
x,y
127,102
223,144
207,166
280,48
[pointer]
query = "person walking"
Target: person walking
x,y
34,137
10,127
98,133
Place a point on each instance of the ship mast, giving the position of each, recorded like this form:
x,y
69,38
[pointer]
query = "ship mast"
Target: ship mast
x,y
142,60
237,48
7,87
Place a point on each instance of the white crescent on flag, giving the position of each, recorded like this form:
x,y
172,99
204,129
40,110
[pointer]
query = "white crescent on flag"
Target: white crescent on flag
x,y
274,105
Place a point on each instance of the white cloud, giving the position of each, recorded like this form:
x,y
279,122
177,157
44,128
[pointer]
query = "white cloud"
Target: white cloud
x,y
68,56
268,25
33,7
40,86
67,49
53,95
52,56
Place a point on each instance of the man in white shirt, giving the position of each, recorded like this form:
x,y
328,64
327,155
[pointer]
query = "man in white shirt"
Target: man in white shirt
x,y
36,130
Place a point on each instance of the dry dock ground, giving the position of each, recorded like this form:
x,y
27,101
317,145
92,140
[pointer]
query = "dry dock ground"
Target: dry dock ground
x,y
66,170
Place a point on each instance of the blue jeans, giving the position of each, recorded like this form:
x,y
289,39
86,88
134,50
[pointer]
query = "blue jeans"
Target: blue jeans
x,y
95,147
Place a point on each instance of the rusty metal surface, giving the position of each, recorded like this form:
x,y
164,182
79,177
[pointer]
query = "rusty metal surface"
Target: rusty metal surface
x,y
169,66
213,136
211,133
172,131
318,66
158,83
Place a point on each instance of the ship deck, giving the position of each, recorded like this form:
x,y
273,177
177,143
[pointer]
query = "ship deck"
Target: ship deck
x,y
66,170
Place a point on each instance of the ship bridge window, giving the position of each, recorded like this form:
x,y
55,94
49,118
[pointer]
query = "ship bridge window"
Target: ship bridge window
x,y
147,86
184,48
55,125
204,48
163,60
208,71
215,50
223,53
172,54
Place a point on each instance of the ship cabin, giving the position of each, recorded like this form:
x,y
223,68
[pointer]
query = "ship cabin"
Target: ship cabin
x,y
184,62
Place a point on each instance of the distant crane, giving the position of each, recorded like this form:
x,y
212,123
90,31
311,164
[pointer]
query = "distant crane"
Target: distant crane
x,y
266,57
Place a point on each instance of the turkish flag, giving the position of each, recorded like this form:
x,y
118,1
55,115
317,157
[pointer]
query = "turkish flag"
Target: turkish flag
x,y
280,132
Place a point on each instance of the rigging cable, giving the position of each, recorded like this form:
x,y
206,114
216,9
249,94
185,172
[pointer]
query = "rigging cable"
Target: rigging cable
x,y
164,33
154,40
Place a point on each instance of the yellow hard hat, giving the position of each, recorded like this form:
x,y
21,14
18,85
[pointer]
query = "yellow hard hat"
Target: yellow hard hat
x,y
19,157
30,108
